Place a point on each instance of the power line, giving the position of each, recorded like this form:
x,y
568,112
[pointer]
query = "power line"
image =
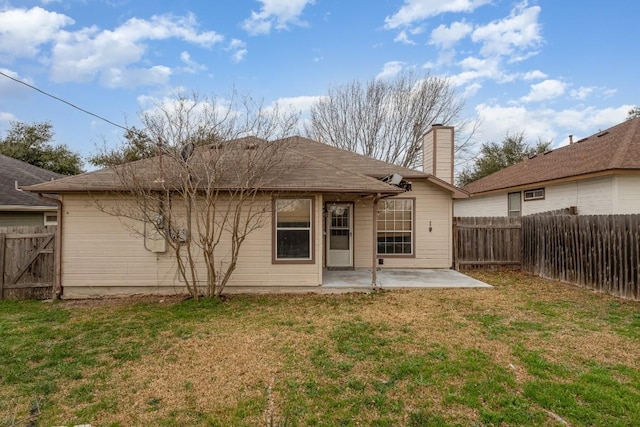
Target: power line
x,y
66,102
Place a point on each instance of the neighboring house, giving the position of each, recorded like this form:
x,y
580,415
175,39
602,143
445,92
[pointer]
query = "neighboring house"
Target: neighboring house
x,y
598,175
324,211
19,207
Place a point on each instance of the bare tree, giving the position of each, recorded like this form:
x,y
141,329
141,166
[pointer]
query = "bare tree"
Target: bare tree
x,y
210,185
386,119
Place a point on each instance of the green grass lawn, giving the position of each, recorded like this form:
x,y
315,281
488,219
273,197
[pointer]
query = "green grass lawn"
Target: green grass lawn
x,y
528,352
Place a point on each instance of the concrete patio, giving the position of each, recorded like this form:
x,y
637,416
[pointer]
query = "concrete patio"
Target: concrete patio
x,y
360,279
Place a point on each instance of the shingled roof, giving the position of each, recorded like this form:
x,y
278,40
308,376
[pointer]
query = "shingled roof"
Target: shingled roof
x,y
12,170
614,149
306,166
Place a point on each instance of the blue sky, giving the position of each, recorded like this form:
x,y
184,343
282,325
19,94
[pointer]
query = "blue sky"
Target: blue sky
x,y
548,68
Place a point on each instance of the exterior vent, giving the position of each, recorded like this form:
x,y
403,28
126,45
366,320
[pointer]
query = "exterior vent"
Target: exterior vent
x,y
602,134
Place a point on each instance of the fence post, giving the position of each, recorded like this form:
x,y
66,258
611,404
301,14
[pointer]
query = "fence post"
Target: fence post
x,y
456,263
2,261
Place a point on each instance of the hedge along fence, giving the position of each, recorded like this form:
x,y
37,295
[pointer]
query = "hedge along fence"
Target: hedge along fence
x,y
601,252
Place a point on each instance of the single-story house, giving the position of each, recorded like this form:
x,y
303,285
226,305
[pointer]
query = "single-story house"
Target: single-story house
x,y
330,209
19,207
597,175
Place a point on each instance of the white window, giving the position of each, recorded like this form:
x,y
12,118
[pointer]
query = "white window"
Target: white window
x,y
50,218
293,230
395,227
514,204
536,194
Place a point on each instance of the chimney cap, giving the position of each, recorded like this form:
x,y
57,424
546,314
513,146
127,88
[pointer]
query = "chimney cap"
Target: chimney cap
x,y
436,125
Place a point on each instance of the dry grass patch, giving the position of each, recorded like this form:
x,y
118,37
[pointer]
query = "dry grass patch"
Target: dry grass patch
x,y
518,354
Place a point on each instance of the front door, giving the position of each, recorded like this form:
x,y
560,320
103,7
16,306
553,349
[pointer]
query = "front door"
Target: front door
x,y
339,235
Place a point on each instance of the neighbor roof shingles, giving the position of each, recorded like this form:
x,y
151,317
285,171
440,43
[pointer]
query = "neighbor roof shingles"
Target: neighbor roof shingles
x,y
12,170
612,149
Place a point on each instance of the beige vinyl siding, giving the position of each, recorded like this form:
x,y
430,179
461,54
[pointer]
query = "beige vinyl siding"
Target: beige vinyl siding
x,y
444,155
438,160
427,154
490,205
104,255
627,194
595,196
432,249
558,196
10,219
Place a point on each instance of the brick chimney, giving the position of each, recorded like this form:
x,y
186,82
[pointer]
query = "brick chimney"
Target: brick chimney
x,y
437,152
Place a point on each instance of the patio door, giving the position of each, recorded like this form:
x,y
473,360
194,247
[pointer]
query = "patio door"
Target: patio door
x,y
339,235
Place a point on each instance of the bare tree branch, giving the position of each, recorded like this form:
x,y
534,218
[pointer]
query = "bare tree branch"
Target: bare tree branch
x,y
210,185
386,119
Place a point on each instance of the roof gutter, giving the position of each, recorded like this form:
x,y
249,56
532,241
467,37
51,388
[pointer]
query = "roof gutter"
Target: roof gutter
x,y
57,286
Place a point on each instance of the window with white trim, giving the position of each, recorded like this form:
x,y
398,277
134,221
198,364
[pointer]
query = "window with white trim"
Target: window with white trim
x,y
293,234
536,194
51,218
395,227
514,204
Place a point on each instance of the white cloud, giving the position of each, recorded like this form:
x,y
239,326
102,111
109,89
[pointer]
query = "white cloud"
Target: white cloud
x,y
9,86
298,103
390,69
278,14
190,66
7,117
446,37
534,75
403,38
23,31
546,124
547,89
471,90
582,92
88,53
238,49
513,35
132,77
418,10
477,68
498,121
239,55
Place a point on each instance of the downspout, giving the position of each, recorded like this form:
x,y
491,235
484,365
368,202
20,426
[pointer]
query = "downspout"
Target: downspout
x,y
374,257
57,288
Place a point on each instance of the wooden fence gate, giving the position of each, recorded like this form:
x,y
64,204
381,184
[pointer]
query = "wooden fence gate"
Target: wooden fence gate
x,y
27,262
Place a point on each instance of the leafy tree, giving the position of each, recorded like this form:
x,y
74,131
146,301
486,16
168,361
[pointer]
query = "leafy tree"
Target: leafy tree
x,y
136,146
633,113
31,143
387,118
493,156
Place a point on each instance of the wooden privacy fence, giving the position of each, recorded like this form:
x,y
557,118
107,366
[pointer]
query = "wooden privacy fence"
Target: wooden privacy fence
x,y
27,262
483,243
600,251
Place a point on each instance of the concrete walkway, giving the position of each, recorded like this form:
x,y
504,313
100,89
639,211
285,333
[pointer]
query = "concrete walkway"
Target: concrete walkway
x,y
360,279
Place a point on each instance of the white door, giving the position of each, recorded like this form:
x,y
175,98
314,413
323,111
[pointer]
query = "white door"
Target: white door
x,y
339,235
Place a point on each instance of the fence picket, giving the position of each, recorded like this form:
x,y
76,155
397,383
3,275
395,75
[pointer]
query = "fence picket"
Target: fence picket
x,y
600,252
